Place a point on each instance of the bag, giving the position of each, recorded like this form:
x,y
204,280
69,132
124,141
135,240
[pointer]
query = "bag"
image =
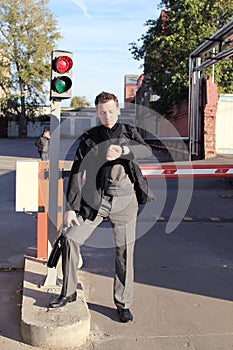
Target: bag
x,y
56,252
143,192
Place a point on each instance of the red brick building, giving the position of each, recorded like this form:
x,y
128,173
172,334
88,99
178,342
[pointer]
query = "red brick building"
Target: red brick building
x,y
130,90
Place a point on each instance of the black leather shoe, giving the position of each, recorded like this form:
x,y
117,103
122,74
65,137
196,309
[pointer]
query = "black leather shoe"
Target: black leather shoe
x,y
62,301
125,315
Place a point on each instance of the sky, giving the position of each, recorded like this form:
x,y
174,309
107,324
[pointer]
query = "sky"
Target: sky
x,y
98,32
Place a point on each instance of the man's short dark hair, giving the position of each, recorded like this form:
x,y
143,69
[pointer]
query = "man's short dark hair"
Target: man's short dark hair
x,y
104,97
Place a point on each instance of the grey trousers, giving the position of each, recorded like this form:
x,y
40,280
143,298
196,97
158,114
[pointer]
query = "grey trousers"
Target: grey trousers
x,y
122,213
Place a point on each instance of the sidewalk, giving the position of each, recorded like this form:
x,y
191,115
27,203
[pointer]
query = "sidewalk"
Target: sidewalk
x,y
183,293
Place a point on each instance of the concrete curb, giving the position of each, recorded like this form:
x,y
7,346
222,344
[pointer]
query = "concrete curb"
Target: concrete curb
x,y
65,327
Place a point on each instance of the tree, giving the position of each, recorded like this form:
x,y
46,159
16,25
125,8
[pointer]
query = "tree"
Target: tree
x,y
79,102
28,33
167,44
4,74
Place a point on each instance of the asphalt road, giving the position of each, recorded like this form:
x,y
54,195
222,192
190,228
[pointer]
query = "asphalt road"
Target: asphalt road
x,y
183,265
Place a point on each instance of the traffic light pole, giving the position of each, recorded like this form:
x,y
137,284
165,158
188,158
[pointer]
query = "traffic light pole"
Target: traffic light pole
x,y
54,153
60,88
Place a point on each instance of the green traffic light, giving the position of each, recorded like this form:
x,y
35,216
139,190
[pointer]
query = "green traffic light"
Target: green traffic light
x,y
62,84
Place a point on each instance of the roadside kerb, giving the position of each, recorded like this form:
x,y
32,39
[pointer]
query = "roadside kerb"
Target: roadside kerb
x,y
51,328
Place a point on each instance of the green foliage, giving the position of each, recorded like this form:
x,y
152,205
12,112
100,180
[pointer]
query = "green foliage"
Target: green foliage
x,y
169,40
224,76
79,102
11,107
28,33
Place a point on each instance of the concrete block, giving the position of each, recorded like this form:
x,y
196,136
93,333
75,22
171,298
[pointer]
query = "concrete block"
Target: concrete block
x,y
65,327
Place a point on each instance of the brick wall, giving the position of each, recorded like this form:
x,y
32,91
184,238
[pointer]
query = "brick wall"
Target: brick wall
x,y
210,111
180,118
207,112
207,117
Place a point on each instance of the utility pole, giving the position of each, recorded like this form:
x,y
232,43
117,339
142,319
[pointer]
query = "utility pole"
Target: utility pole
x,y
60,88
54,152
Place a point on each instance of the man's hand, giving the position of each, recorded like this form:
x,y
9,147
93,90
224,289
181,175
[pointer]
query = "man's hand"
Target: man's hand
x,y
70,218
115,151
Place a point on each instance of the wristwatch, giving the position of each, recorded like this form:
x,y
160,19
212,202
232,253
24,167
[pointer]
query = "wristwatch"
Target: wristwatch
x,y
124,150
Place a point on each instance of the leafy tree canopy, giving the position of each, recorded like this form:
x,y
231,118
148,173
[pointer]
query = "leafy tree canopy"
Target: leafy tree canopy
x,y
79,102
169,40
28,33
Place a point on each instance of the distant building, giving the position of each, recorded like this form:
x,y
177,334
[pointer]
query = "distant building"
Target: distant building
x,y
145,94
130,90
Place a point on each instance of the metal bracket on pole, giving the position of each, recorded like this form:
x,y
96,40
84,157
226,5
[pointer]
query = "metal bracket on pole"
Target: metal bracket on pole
x,y
54,151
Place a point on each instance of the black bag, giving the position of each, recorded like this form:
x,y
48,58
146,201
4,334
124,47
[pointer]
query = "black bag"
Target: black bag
x,y
56,252
143,193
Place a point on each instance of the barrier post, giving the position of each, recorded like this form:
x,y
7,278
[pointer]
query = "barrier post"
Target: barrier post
x,y
43,203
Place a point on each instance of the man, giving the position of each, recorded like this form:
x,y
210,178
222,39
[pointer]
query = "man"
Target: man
x,y
42,144
113,188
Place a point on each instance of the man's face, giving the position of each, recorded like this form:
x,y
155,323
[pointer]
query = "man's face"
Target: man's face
x,y
47,134
108,113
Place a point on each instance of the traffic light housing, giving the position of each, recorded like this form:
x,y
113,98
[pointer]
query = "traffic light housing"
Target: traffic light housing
x,y
61,75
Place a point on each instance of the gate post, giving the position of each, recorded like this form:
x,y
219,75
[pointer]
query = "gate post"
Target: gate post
x,y
43,204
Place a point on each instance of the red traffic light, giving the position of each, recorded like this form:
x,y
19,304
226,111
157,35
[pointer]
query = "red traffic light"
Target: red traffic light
x,y
63,64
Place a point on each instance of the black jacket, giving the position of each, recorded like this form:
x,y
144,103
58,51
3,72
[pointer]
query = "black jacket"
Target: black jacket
x,y
90,161
43,144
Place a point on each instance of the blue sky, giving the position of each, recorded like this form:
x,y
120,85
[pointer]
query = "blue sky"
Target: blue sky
x,y
98,32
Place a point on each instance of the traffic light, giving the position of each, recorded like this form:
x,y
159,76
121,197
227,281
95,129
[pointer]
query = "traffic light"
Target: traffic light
x,y
61,74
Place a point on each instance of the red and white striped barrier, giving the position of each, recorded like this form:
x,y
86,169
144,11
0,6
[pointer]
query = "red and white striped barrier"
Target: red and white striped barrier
x,y
197,170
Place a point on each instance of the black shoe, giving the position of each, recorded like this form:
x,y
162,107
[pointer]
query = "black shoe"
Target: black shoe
x,y
62,301
125,315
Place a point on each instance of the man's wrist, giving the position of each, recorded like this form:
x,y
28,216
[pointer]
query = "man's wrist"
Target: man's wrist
x,y
125,150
